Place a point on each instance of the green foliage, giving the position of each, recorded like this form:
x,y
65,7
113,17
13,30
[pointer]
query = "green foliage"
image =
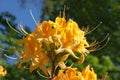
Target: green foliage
x,y
20,74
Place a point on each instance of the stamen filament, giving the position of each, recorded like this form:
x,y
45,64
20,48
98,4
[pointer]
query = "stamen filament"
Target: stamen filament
x,y
12,27
33,17
9,57
96,42
23,30
42,75
94,28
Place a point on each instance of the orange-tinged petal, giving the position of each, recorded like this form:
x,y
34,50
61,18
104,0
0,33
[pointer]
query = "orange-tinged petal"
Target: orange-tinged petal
x,y
69,74
40,60
60,21
73,38
73,74
89,74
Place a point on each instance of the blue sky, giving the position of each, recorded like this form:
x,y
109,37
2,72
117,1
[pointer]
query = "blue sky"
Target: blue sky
x,y
22,14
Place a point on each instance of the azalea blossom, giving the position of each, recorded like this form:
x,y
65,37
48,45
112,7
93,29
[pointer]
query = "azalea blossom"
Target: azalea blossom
x,y
89,74
53,42
72,74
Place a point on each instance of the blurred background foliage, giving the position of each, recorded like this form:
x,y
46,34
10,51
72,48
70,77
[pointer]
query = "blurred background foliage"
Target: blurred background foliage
x,y
85,13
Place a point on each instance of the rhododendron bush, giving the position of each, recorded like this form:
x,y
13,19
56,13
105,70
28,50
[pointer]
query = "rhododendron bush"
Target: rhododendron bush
x,y
50,45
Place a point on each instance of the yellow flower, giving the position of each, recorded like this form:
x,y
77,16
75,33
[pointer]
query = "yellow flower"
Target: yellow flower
x,y
3,72
72,38
47,29
89,74
30,48
70,32
50,39
73,74
39,60
69,74
34,53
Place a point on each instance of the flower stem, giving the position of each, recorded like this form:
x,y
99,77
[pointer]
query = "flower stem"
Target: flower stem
x,y
53,67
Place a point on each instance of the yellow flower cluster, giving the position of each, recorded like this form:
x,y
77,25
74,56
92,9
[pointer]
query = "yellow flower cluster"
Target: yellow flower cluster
x,y
3,72
53,42
73,74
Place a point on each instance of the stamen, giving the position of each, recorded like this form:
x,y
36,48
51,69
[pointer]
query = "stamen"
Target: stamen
x,y
23,30
104,44
95,46
33,17
71,64
59,37
49,72
64,11
85,29
42,75
9,56
12,27
94,28
96,42
8,50
60,14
